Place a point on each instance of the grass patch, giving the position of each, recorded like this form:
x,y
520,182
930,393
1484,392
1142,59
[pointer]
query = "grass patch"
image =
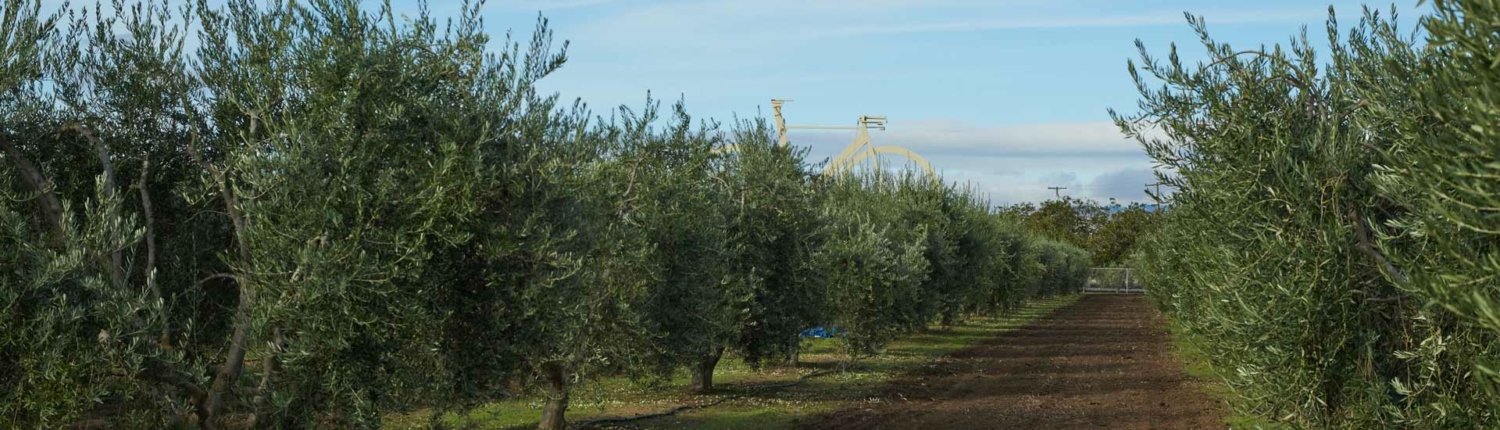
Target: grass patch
x,y
1195,362
749,405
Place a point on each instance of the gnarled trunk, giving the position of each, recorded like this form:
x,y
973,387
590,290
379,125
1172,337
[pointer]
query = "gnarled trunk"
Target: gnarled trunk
x,y
555,382
263,391
47,201
114,263
229,371
234,363
703,371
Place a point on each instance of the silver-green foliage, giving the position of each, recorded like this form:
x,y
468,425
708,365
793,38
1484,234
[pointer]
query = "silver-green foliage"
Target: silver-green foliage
x,y
1299,246
774,232
327,213
873,262
905,250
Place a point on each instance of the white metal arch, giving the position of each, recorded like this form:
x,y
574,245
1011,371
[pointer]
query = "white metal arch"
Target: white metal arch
x,y
835,167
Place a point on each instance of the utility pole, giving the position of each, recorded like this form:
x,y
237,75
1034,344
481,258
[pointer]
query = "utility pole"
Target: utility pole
x,y
1158,194
1158,189
1057,191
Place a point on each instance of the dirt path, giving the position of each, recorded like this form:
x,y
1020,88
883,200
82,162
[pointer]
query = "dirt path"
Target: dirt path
x,y
1103,362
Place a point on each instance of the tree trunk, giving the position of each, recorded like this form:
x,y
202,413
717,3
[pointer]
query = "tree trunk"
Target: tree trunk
x,y
229,372
555,382
703,372
263,391
114,264
197,395
165,341
793,348
51,207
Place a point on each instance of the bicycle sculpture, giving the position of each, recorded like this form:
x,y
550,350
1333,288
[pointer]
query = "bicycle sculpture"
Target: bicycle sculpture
x,y
858,151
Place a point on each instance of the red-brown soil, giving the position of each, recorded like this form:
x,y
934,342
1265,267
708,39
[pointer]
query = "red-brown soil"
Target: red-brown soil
x,y
1104,362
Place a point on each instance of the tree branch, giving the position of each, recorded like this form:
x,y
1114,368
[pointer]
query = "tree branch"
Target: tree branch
x,y
263,391
51,207
198,395
231,203
145,191
115,265
1301,80
143,185
1367,246
234,361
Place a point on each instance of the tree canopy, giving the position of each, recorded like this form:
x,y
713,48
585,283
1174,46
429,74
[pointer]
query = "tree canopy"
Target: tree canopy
x,y
324,213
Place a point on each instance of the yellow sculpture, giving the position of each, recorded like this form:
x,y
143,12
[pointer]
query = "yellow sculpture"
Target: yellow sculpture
x,y
857,152
884,150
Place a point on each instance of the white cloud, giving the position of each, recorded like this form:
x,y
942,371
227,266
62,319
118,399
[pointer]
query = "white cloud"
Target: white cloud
x,y
1015,163
1125,185
1060,22
738,25
546,5
942,137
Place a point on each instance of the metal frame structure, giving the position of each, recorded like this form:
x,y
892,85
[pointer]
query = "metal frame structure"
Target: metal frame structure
x,y
856,152
889,150
1112,280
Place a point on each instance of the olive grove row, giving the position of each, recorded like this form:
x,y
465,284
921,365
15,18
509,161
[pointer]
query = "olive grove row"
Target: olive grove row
x,y
321,214
1334,242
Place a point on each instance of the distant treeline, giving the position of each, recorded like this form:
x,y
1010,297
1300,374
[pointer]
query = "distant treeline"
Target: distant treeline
x,y
1110,232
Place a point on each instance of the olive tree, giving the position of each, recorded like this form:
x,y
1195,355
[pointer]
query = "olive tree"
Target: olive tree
x,y
1295,173
88,314
774,230
874,264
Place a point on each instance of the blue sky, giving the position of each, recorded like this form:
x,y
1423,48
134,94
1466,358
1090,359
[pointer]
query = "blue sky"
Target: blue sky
x,y
1008,94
